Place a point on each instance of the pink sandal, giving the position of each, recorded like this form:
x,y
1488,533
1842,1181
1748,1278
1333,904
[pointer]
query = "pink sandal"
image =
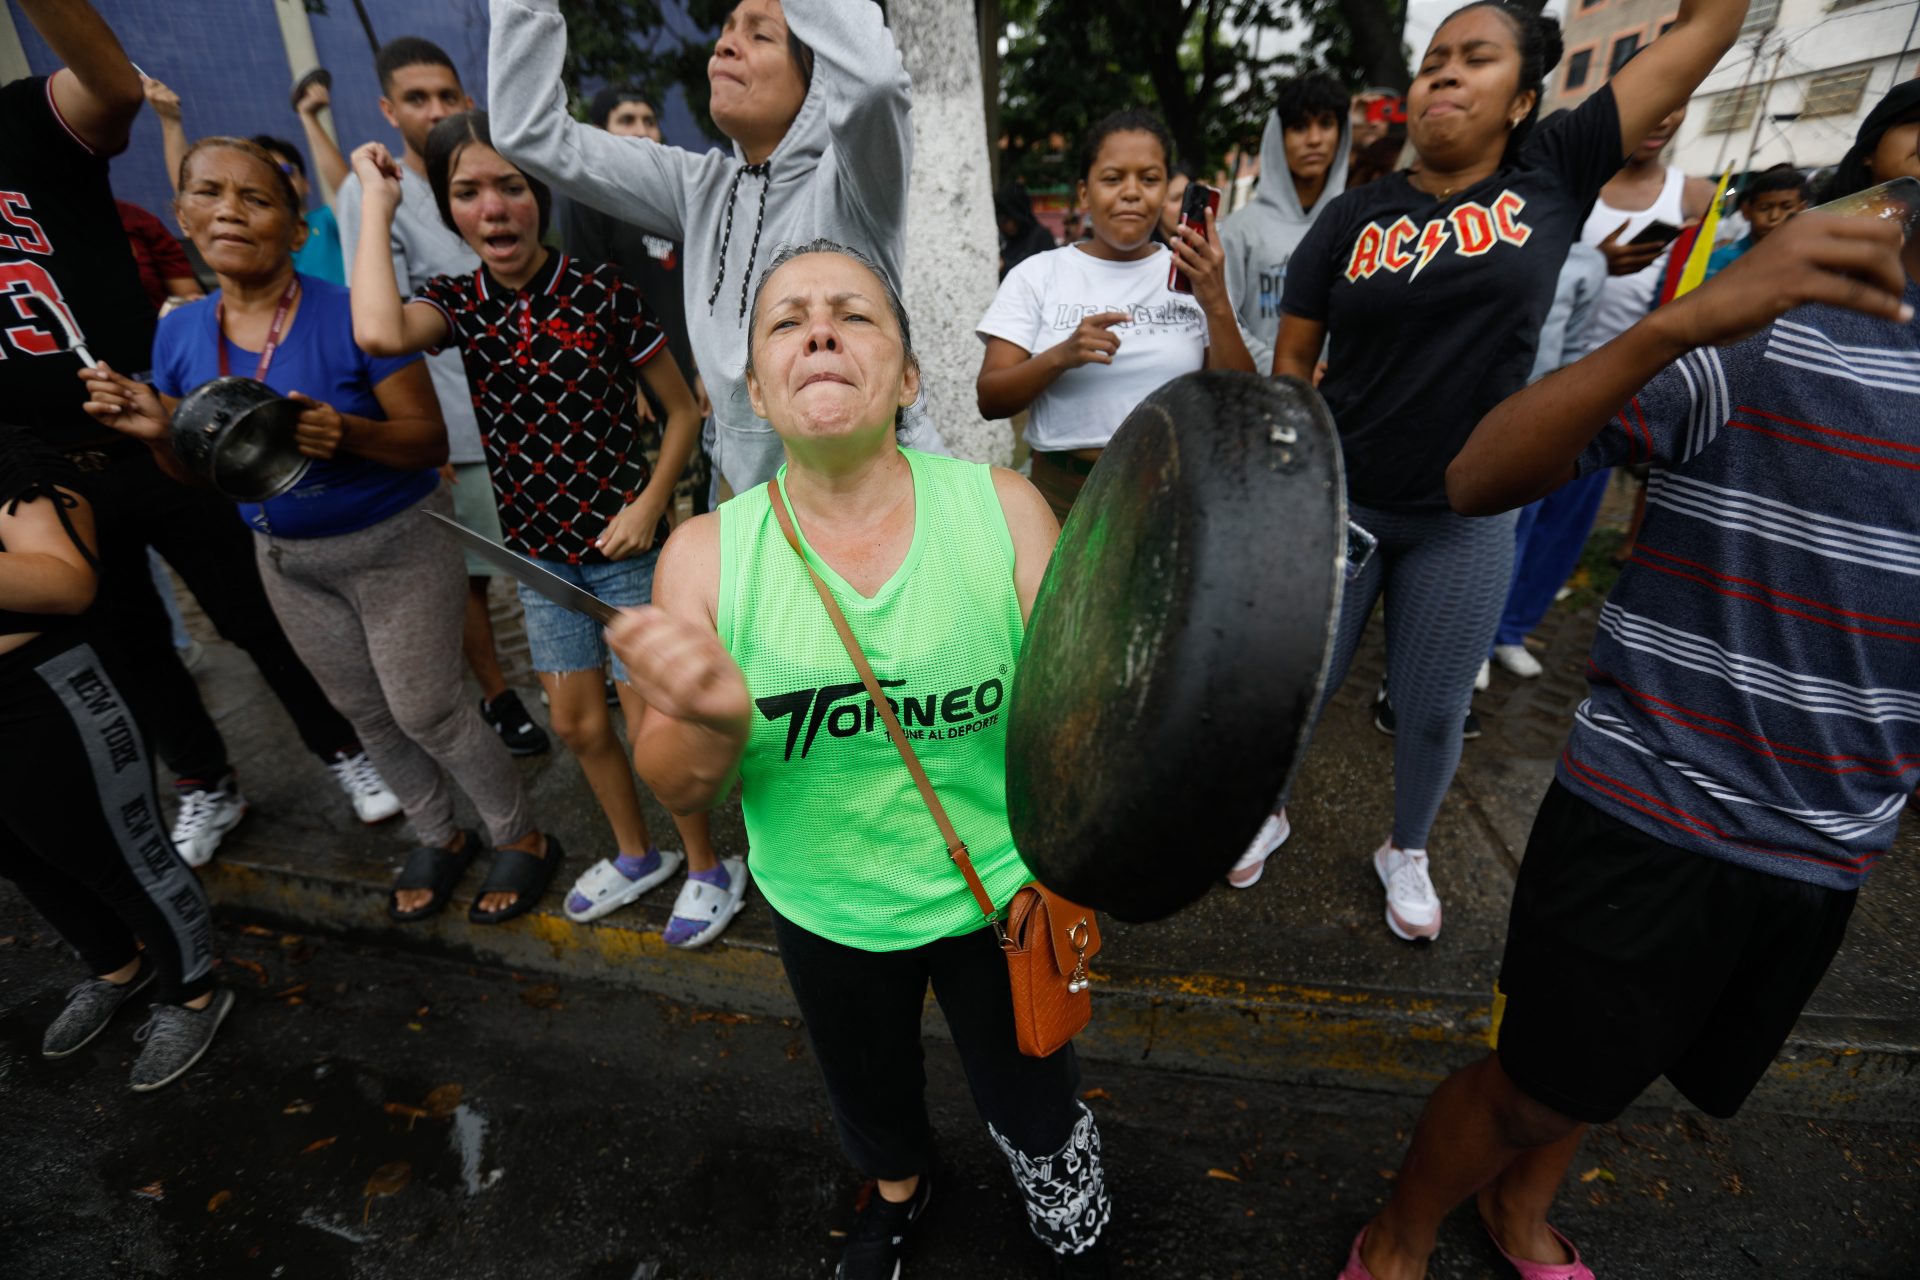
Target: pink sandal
x,y
1575,1270
1356,1269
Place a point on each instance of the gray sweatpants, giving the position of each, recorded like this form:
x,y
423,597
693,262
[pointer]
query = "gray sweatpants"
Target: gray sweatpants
x,y
376,615
1445,578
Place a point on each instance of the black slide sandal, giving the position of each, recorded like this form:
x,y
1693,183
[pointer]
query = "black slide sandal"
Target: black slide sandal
x,y
514,871
430,867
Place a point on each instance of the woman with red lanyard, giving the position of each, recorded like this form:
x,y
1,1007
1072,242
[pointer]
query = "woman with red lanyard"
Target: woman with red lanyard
x,y
371,598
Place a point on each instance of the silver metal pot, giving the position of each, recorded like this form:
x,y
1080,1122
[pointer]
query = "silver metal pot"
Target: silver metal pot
x,y
238,436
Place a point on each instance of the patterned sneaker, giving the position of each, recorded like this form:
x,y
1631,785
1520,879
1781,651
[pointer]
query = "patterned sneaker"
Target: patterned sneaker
x,y
877,1242
90,1006
175,1037
372,800
207,812
1413,908
516,728
1253,863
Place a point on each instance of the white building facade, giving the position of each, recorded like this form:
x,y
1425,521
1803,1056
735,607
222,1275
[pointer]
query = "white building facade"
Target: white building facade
x,y
1795,88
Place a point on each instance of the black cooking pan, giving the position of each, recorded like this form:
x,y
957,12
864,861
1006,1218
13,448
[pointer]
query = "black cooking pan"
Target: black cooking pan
x,y
1178,644
238,436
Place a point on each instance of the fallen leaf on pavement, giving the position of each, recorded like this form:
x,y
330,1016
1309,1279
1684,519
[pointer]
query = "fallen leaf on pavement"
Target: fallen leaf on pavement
x,y
257,970
1604,1175
152,1191
1096,1095
443,1100
389,1178
544,996
293,990
219,1198
705,1015
298,1107
402,1109
1223,1175
318,1145
256,931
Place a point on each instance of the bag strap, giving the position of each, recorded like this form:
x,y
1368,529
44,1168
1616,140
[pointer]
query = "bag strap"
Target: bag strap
x,y
956,848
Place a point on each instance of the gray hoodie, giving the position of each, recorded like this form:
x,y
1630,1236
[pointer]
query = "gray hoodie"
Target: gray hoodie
x,y
841,172
1260,238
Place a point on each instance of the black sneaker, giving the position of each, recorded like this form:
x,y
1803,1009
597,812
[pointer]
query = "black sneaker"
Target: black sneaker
x,y
515,727
1383,711
877,1242
1471,729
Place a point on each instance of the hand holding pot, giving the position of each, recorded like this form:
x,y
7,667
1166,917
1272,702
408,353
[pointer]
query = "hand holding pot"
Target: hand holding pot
x,y
320,430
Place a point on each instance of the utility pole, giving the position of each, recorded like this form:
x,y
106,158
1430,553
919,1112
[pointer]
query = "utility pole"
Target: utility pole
x,y
1753,60
1759,108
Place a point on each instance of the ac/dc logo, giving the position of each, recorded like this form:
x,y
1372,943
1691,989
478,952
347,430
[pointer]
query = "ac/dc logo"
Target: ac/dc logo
x,y
1472,229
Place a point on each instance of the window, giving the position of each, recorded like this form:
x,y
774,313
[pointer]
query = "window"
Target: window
x,y
1623,48
1734,110
1577,67
1837,94
1761,15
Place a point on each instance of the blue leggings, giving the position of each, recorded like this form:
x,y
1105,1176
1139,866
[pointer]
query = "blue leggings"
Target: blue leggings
x,y
1445,578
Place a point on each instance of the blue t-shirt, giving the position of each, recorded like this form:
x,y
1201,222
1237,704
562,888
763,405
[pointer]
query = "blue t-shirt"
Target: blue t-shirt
x,y
1727,253
1754,688
320,256
318,358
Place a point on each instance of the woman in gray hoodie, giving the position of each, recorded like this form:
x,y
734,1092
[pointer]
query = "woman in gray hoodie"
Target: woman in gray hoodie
x,y
815,99
1303,166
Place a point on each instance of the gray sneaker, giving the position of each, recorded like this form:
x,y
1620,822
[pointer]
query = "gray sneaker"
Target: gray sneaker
x,y
90,1006
175,1037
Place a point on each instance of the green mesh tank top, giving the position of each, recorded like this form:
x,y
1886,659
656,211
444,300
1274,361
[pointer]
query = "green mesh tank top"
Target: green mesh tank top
x,y
841,842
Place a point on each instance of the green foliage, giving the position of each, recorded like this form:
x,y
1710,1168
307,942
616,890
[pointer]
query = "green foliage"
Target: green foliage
x,y
632,42
1208,67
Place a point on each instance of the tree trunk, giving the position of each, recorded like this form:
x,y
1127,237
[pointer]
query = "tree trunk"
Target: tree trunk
x,y
1377,29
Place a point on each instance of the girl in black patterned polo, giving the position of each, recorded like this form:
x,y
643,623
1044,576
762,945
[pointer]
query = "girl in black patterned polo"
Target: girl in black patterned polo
x,y
555,351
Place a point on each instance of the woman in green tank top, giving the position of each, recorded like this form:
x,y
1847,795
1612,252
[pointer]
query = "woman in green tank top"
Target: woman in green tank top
x,y
935,563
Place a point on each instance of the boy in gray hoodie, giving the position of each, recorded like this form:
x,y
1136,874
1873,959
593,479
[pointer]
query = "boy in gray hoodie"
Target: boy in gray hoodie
x,y
1303,166
816,100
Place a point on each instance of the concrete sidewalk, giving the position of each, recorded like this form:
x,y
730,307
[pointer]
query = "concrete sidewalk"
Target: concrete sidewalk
x,y
1296,980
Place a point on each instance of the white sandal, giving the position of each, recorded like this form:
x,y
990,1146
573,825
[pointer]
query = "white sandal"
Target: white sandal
x,y
713,906
606,889
1273,833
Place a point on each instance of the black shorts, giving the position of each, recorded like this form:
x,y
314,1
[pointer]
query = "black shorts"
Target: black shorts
x,y
1629,959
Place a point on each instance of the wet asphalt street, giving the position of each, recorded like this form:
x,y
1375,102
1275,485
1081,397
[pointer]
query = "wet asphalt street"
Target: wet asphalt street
x,y
383,1116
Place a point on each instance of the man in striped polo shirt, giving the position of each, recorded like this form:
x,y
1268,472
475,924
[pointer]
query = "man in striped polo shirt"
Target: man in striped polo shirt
x,y
1752,728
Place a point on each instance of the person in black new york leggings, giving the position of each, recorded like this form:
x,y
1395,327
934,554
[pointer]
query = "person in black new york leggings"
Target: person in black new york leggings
x,y
81,832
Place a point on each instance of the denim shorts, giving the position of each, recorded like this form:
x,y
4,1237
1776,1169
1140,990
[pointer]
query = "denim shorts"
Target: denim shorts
x,y
558,639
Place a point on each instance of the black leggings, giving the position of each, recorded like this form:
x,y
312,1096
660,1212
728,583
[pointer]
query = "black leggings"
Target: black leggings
x,y
201,535
80,827
862,1010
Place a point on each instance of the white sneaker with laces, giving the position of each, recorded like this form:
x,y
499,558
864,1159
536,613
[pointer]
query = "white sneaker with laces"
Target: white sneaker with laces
x,y
206,814
372,800
1272,834
1413,908
1484,679
1518,660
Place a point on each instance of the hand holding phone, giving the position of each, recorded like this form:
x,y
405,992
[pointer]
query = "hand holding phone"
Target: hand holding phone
x,y
1199,201
1656,233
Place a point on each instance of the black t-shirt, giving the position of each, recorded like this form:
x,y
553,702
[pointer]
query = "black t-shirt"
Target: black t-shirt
x,y
1434,307
654,266
64,264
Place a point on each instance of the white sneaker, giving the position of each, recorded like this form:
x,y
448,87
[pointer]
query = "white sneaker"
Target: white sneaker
x,y
1413,908
1517,659
206,814
1272,834
372,800
1484,679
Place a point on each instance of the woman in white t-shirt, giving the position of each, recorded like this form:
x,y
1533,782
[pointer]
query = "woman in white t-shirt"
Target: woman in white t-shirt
x,y
1081,335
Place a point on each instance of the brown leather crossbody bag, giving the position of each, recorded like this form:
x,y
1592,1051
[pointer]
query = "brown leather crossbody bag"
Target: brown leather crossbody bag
x,y
1046,939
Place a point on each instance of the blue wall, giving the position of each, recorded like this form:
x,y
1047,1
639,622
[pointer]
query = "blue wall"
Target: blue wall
x,y
225,60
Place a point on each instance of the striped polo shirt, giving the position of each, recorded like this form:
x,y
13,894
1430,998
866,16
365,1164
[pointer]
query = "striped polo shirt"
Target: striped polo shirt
x,y
1754,689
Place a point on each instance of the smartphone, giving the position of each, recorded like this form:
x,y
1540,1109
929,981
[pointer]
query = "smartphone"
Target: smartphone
x,y
1656,232
1896,201
1360,548
1199,201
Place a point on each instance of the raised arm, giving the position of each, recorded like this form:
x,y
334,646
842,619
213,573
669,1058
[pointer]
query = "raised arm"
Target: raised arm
x,y
96,90
697,717
868,97
1529,444
384,324
173,130
327,160
635,179
1667,72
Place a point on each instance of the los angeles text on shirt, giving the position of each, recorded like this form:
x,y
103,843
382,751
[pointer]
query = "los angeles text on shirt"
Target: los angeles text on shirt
x,y
1472,228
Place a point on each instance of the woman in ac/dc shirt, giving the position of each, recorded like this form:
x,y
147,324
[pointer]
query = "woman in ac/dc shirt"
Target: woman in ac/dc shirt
x,y
1081,335
557,351
1431,284
371,597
